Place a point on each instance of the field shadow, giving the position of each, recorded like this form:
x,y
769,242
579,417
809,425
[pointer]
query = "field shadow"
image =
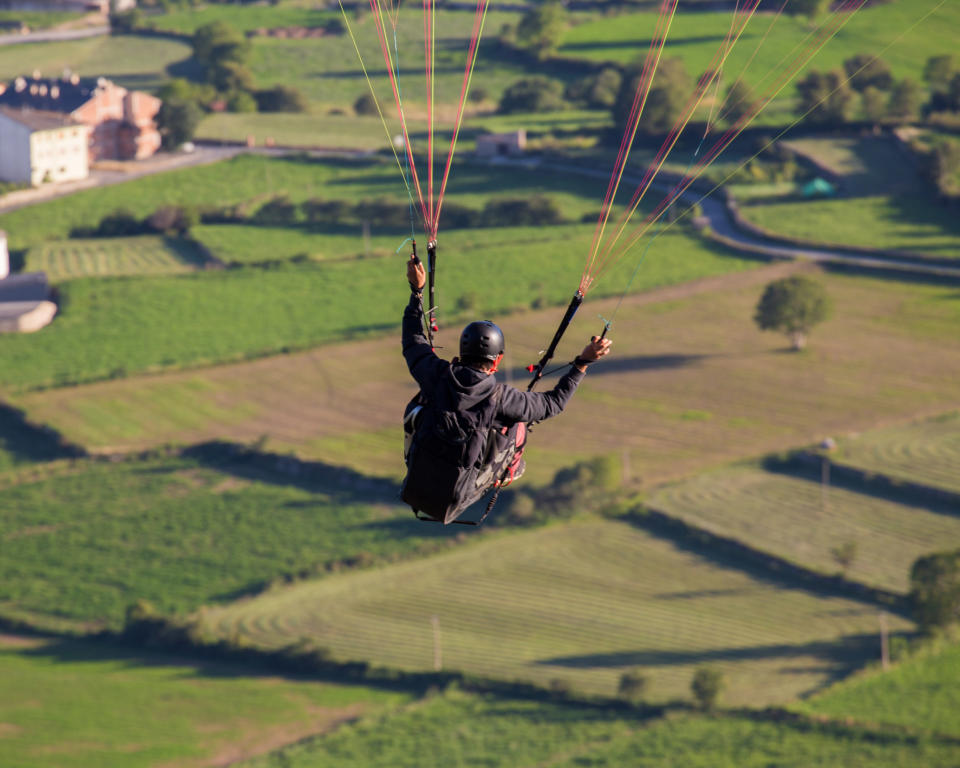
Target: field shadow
x,y
844,652
27,442
342,484
640,45
616,365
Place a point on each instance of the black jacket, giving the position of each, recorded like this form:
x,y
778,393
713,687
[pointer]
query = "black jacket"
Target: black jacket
x,y
469,386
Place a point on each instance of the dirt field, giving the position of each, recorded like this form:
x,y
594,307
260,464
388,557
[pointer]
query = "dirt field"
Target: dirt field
x,y
691,383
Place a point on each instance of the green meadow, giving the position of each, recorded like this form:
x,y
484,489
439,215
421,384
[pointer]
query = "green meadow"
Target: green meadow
x,y
79,704
102,257
89,540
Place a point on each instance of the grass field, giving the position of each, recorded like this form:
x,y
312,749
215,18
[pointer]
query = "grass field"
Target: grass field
x,y
88,541
912,224
133,62
922,693
249,243
72,704
39,19
580,603
697,36
23,444
690,384
472,731
296,130
926,452
242,18
793,519
145,255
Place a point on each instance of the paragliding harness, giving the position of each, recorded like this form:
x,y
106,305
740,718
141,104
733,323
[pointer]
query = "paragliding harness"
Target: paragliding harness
x,y
454,457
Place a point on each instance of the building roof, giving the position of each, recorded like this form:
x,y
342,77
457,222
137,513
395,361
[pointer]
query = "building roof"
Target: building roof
x,y
62,94
38,119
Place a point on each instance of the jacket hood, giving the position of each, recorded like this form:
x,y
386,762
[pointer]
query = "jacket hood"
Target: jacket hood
x,y
468,386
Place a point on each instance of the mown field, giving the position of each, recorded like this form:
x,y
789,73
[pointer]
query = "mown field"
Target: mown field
x,y
102,257
243,18
920,693
691,382
927,452
77,704
801,521
579,603
130,61
88,540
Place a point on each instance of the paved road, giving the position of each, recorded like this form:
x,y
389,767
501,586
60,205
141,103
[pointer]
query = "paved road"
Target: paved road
x,y
723,225
53,35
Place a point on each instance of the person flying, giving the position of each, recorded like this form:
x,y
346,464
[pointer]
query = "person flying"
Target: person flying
x,y
465,431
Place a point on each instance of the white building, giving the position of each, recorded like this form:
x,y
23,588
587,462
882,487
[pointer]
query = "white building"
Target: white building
x,y
38,146
4,256
25,304
494,144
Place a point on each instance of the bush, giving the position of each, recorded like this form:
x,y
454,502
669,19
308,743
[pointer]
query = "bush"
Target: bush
x,y
366,105
509,212
318,211
282,98
172,219
706,686
598,91
119,223
935,590
632,686
533,94
277,212
241,101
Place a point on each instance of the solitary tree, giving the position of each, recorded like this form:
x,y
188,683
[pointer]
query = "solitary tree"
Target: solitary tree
x,y
792,305
844,555
541,29
737,103
669,92
825,98
633,684
706,686
177,121
533,94
935,590
865,71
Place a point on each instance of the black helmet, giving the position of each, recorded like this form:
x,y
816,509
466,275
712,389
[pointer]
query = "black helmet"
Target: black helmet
x,y
481,340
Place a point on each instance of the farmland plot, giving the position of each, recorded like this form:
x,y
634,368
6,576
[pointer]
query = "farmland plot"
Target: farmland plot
x,y
101,257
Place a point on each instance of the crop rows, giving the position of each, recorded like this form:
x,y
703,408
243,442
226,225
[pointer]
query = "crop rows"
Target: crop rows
x,y
146,255
805,522
927,452
580,603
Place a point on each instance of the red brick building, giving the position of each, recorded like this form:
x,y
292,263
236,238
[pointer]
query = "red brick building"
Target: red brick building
x,y
123,122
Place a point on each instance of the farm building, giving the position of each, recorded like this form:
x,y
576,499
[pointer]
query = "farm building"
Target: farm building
x,y
492,144
4,256
123,123
25,304
38,146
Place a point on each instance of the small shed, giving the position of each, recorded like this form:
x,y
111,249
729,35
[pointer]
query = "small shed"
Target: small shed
x,y
819,187
25,304
502,144
4,256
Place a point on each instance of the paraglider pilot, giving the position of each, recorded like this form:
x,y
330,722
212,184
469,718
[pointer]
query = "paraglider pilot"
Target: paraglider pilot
x,y
465,432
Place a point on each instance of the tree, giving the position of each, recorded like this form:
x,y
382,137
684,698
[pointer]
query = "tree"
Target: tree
x,y
935,590
277,211
598,91
366,105
809,8
792,305
737,103
633,684
284,98
669,92
825,99
533,94
938,71
223,52
541,29
177,121
844,555
706,686
866,71
905,100
874,103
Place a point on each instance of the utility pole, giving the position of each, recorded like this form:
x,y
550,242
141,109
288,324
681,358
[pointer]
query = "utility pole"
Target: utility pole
x,y
884,642
437,649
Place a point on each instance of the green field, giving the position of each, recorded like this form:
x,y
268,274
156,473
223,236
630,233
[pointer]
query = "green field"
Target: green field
x,y
243,18
23,444
927,452
913,224
343,131
90,540
697,36
39,19
73,704
921,693
130,61
145,255
802,522
248,243
580,603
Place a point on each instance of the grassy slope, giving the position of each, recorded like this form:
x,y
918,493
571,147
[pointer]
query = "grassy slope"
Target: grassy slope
x,y
922,693
926,452
133,62
788,517
242,18
70,704
581,603
146,255
89,541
